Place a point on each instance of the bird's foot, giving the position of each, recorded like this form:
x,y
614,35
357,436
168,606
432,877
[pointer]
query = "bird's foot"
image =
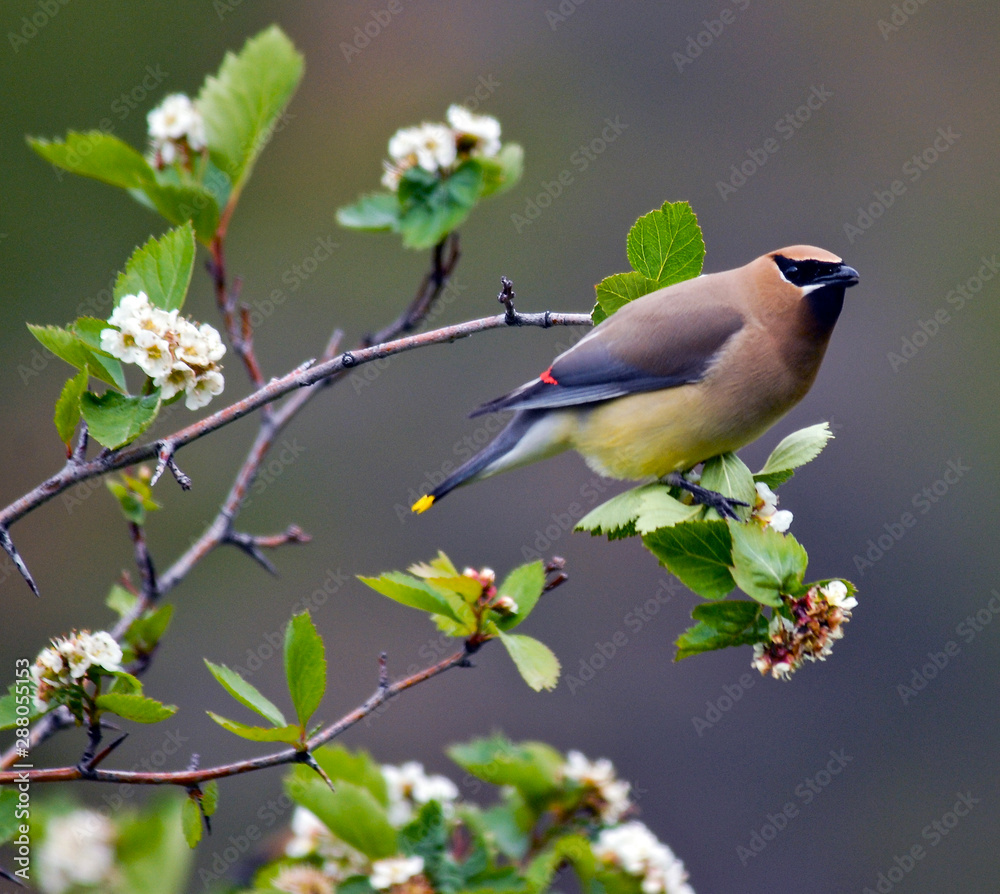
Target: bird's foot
x,y
725,506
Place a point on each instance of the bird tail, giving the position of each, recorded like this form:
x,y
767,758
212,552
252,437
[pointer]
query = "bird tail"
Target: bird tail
x,y
530,435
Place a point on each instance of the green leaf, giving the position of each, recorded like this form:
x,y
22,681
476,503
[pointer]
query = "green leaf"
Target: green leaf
x,y
356,767
126,684
102,365
617,290
151,854
67,413
524,585
180,203
96,154
502,171
375,212
305,666
728,475
532,768
722,624
116,419
191,821
9,702
209,797
616,517
658,509
246,693
243,102
796,450
534,660
66,345
439,566
146,632
161,268
290,734
120,600
766,563
350,812
699,553
9,821
137,708
432,207
666,245
412,592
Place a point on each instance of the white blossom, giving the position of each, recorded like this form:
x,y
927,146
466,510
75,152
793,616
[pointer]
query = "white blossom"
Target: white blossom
x,y
637,851
766,509
78,850
302,880
429,146
395,871
600,775
175,126
178,355
410,786
483,129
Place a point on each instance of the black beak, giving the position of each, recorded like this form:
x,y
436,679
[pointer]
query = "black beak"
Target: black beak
x,y
842,276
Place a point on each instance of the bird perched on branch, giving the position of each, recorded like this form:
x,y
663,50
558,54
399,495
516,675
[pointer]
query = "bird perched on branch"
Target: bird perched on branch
x,y
677,376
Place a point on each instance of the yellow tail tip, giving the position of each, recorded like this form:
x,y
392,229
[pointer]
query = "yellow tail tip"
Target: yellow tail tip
x,y
423,504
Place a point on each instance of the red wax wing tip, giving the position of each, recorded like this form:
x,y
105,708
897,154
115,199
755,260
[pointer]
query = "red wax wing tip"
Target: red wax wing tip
x,y
548,378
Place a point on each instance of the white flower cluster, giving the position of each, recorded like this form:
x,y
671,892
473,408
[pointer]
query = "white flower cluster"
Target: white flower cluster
x,y
175,353
636,850
819,618
301,880
310,836
69,659
176,129
612,793
410,787
436,147
767,510
395,871
78,850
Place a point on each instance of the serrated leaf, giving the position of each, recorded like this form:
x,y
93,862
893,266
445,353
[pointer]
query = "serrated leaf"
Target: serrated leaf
x,y
795,450
467,589
355,767
374,212
350,812
766,563
246,693
161,268
728,475
243,102
289,734
534,660
432,207
66,345
138,708
115,419
666,245
101,365
96,154
67,412
617,290
532,768
721,625
412,592
180,203
439,566
146,632
126,684
305,666
699,553
658,509
616,517
120,600
191,821
525,586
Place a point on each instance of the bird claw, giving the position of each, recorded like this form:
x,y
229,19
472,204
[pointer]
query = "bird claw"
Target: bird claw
x,y
725,506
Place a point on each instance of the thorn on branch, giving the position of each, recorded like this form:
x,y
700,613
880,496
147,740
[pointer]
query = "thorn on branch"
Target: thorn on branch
x,y
383,671
104,752
165,460
305,757
253,544
80,451
11,550
194,762
506,298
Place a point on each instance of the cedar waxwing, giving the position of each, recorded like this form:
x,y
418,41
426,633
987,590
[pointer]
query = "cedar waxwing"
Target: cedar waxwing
x,y
677,376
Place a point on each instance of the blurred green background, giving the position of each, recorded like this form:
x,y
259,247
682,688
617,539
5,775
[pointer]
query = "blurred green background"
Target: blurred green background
x,y
553,73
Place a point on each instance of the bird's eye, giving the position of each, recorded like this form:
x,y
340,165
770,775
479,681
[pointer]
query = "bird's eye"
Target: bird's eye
x,y
791,270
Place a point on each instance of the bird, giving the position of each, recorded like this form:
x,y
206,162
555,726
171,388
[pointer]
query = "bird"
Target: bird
x,y
678,376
